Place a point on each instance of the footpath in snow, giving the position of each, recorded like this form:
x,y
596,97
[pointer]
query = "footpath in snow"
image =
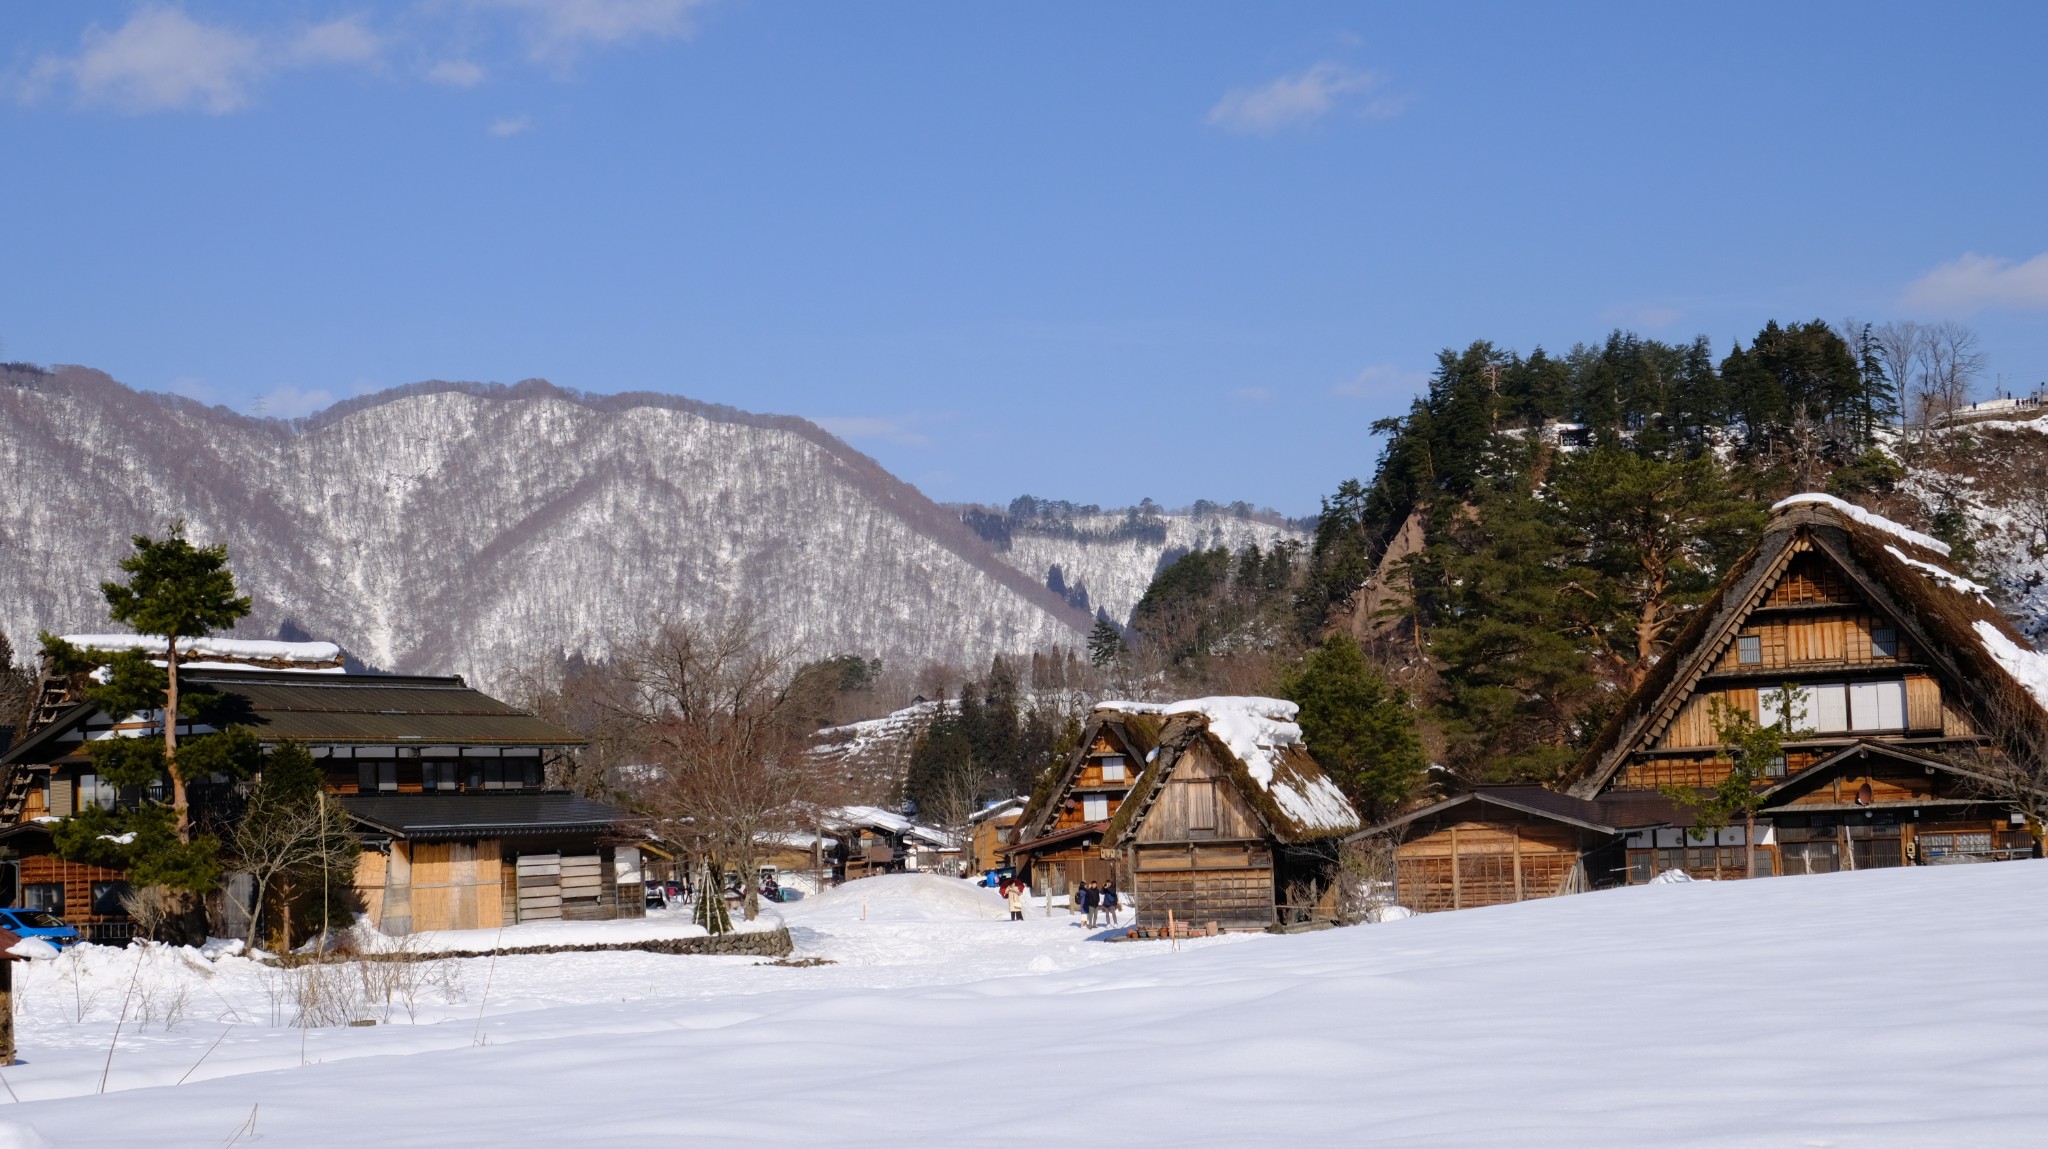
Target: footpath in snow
x,y
1885,1008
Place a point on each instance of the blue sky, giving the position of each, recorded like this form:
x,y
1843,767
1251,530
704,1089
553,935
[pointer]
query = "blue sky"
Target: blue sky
x,y
1093,252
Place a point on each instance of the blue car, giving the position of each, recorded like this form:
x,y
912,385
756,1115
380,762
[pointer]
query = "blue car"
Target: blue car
x,y
39,924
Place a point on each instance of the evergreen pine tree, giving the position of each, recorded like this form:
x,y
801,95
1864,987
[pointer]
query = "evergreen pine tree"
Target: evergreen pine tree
x,y
1105,643
1358,727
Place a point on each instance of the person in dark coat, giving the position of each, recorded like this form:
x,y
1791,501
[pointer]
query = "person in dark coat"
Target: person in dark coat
x,y
1108,899
1086,896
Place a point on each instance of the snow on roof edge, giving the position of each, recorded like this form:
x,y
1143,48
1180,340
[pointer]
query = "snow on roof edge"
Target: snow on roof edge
x,y
1874,521
232,648
2028,667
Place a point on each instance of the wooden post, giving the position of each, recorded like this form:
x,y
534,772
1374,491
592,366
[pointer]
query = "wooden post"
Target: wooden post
x,y
6,1011
1517,831
1457,866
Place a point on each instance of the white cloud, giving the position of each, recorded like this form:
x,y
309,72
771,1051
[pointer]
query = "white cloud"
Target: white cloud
x,y
163,60
344,41
1303,98
1975,282
290,402
559,29
898,429
1381,380
509,126
456,73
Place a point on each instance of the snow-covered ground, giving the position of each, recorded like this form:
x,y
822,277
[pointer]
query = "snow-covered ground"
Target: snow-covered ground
x,y
1882,1008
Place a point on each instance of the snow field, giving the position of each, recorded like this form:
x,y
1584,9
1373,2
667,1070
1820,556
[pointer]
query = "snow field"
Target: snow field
x,y
1883,1008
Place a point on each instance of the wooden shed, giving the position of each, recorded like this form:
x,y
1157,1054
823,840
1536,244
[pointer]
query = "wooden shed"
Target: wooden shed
x,y
1231,821
1498,844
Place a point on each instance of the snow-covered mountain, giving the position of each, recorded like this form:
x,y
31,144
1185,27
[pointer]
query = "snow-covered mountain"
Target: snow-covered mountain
x,y
1104,560
475,529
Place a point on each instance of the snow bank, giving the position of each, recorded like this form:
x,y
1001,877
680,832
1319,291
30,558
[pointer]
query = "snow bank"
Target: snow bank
x,y
1877,522
901,898
240,650
1340,1037
1947,578
2030,667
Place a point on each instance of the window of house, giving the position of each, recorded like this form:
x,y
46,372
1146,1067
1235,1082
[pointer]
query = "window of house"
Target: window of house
x,y
1770,706
106,899
494,775
1884,642
1877,705
438,775
1749,649
366,777
387,775
1828,708
45,896
1094,808
1113,768
93,792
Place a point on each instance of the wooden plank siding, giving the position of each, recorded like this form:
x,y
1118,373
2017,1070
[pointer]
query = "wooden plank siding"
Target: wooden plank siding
x,y
1201,851
1465,864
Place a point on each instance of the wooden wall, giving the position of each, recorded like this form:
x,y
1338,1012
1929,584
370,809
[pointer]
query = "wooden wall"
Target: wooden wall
x,y
433,886
1230,884
1199,791
1484,862
1221,871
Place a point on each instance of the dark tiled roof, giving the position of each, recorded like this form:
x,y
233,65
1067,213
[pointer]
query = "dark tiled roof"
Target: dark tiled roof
x,y
342,709
480,815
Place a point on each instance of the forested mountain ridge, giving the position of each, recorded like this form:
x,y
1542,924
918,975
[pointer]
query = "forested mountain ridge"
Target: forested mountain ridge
x,y
1103,560
484,529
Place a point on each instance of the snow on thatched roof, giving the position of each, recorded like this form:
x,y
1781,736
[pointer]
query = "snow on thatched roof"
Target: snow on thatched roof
x,y
1869,519
1263,751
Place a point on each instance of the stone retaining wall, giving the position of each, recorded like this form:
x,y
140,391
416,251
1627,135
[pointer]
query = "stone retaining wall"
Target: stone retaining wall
x,y
773,943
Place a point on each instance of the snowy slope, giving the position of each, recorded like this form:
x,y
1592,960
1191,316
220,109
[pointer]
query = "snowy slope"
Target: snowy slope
x,y
1890,1008
444,528
1115,565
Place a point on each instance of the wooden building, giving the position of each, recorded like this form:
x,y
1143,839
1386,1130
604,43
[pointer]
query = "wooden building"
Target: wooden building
x,y
1058,843
446,786
1920,722
1231,821
868,840
991,830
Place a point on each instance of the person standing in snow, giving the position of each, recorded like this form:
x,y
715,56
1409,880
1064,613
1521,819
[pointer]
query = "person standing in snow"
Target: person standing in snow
x,y
1013,889
1108,899
1086,900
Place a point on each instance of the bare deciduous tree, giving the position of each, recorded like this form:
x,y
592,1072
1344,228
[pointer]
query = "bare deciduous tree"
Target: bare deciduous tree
x,y
281,837
1947,364
722,737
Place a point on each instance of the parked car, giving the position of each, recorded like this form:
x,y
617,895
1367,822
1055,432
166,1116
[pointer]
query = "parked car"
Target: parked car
x,y
38,924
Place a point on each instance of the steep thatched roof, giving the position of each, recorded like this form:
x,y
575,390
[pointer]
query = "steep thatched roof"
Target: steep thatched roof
x,y
1136,732
1989,667
1292,795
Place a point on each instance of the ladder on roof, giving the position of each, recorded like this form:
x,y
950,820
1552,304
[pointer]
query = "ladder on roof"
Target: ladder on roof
x,y
53,698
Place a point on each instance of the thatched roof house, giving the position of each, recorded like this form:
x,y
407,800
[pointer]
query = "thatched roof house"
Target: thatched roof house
x,y
1058,839
1920,730
1231,821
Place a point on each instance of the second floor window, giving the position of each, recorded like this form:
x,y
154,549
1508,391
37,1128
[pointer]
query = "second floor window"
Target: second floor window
x,y
1884,642
1749,650
1113,768
1095,808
